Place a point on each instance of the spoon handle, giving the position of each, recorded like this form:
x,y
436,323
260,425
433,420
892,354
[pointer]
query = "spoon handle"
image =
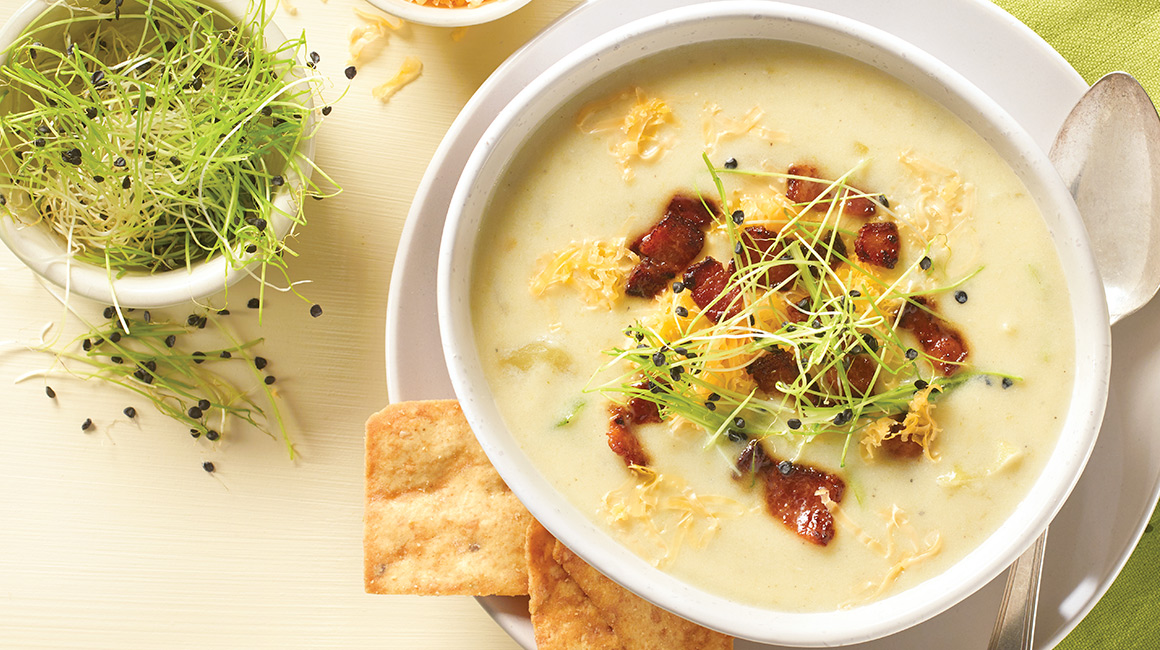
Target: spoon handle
x,y
1015,627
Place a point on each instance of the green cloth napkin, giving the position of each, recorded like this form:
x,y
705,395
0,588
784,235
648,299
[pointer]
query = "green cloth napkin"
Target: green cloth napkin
x,y
1097,37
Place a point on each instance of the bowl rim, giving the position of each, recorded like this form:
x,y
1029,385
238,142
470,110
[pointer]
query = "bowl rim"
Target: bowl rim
x,y
449,16
46,255
881,617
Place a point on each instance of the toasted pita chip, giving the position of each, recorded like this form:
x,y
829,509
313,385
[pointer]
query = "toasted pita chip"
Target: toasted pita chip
x,y
438,520
575,607
562,616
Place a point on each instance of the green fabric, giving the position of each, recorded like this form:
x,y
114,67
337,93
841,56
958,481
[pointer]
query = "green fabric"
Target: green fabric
x,y
1097,37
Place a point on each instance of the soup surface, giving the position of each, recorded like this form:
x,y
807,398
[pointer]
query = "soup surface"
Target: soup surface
x,y
859,346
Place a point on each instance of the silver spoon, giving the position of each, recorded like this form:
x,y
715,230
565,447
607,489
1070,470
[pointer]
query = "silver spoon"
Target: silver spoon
x,y
1108,154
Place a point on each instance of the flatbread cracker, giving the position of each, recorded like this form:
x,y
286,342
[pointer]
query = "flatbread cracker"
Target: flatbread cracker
x,y
562,616
438,519
574,606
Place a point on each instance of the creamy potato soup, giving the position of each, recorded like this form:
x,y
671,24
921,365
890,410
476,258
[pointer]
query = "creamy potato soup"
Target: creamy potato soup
x,y
785,327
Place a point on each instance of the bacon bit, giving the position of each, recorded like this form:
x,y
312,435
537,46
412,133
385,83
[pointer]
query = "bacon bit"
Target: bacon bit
x,y
792,496
860,206
903,449
938,339
706,281
642,410
800,190
670,245
859,372
797,312
762,245
622,440
774,366
878,243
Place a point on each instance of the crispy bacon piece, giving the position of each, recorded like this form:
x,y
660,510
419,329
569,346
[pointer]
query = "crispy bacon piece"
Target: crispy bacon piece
x,y
791,492
798,312
670,245
859,372
773,366
878,243
902,449
761,245
800,190
641,410
621,438
860,206
692,209
938,339
706,280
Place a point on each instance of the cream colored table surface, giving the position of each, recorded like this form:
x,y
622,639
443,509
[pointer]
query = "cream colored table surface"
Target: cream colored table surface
x,y
117,538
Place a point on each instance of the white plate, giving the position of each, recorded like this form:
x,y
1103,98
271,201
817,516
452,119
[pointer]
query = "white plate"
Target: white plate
x,y
1105,516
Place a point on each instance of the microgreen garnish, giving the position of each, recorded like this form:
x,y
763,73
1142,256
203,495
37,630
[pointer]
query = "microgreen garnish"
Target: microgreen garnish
x,y
807,300
149,137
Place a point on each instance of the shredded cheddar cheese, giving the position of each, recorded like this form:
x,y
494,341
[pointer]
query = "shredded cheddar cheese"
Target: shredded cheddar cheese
x,y
596,268
376,26
901,554
944,199
659,514
919,426
408,72
638,128
715,127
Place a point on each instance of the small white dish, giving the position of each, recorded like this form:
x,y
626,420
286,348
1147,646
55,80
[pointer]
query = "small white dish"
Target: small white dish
x,y
724,20
46,254
449,16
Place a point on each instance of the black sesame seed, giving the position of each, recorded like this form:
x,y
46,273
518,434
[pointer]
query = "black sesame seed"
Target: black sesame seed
x,y
260,362
115,337
116,360
203,404
194,412
39,142
109,311
72,156
924,263
98,179
731,163
207,466
225,354
739,422
911,354
197,83
326,110
198,357
675,372
147,378
87,424
201,322
737,436
960,296
269,379
678,287
119,162
871,343
793,423
315,57
127,183
681,311
817,323
151,365
192,319
174,160
656,389
212,435
130,412
43,130
98,77
738,217
260,224
920,384
315,310
3,201
267,111
711,406
785,467
714,397
883,200
251,248
91,113
86,345
50,392
681,351
737,248
223,312
350,72
1007,383
196,433
277,181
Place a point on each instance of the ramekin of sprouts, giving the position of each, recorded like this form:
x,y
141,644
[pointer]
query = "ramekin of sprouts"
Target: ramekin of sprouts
x,y
152,152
